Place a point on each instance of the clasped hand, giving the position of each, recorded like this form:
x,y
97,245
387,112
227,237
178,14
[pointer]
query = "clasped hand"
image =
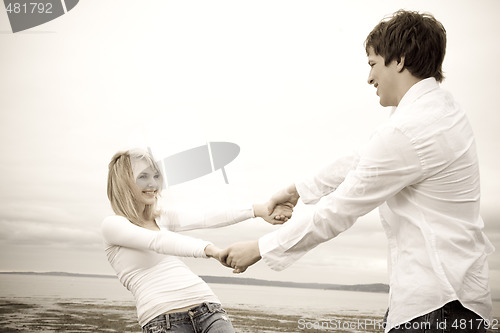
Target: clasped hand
x,y
278,215
278,210
243,254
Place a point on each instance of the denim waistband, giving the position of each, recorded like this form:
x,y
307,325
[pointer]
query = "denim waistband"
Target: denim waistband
x,y
194,312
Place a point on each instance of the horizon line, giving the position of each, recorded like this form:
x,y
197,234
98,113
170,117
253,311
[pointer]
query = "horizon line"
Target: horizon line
x,y
232,278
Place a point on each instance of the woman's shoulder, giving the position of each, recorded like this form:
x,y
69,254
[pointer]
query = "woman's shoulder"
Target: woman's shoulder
x,y
114,219
164,216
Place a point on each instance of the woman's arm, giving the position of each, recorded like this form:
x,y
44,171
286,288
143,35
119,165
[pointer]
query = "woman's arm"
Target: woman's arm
x,y
117,230
182,219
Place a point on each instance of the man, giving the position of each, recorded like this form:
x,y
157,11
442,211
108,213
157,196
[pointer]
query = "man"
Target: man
x,y
421,169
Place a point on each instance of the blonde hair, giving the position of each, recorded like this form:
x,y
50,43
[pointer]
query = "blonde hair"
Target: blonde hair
x,y
121,180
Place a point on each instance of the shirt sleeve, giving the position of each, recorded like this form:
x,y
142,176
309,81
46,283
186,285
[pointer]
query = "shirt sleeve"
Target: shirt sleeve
x,y
314,187
117,230
183,219
388,164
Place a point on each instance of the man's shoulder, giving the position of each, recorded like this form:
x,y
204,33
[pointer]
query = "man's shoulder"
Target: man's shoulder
x,y
426,113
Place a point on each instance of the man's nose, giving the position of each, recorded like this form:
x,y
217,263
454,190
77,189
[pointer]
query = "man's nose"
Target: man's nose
x,y
370,77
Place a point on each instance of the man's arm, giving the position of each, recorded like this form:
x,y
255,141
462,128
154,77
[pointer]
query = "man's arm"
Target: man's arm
x,y
389,164
314,187
327,179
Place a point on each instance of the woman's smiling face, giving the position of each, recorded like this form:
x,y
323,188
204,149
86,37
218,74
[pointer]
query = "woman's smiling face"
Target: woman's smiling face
x,y
148,181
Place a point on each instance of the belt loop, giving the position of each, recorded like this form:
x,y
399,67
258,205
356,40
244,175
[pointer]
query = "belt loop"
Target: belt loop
x,y
212,307
167,321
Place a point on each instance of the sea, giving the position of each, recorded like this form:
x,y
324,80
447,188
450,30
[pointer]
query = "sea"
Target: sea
x,y
103,290
279,300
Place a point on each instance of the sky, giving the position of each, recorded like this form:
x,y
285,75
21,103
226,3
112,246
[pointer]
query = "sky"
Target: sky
x,y
284,80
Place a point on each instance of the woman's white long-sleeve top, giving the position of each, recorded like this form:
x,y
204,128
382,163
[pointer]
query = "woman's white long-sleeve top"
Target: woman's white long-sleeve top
x,y
147,262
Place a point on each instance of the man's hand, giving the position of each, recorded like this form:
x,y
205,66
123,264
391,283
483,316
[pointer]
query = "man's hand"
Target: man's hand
x,y
241,255
288,196
279,215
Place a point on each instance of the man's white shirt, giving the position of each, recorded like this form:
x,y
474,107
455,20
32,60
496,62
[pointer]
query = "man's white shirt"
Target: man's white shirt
x,y
421,169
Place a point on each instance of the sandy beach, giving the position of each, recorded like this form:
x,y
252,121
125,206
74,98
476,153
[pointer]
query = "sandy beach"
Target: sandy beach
x,y
32,315
72,316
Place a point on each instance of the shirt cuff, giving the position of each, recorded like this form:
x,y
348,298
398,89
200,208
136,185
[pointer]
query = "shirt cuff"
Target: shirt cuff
x,y
240,214
266,244
272,253
204,255
252,212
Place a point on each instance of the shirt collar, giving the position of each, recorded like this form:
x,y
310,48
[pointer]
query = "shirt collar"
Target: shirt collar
x,y
416,91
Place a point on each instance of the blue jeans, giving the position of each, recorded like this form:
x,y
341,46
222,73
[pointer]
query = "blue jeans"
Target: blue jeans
x,y
205,318
452,317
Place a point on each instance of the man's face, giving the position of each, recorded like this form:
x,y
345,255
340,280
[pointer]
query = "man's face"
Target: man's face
x,y
384,78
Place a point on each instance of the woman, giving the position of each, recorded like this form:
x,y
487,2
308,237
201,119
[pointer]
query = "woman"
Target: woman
x,y
143,248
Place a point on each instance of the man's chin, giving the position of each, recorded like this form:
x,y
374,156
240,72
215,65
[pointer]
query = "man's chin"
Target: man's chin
x,y
384,103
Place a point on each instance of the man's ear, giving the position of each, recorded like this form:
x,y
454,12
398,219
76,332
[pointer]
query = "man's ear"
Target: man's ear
x,y
400,66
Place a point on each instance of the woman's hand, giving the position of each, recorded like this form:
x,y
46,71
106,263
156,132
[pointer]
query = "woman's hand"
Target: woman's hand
x,y
213,251
280,214
287,196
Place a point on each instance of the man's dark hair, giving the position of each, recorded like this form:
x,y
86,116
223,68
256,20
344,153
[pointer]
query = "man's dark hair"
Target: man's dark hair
x,y
419,38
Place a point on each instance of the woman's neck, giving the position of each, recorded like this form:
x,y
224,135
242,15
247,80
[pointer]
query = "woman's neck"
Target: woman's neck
x,y
141,210
151,225
147,221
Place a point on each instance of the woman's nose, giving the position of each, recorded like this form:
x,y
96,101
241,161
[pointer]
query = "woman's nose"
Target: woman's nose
x,y
158,182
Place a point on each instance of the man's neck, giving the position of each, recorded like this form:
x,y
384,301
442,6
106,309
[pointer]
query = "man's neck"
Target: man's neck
x,y
407,81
